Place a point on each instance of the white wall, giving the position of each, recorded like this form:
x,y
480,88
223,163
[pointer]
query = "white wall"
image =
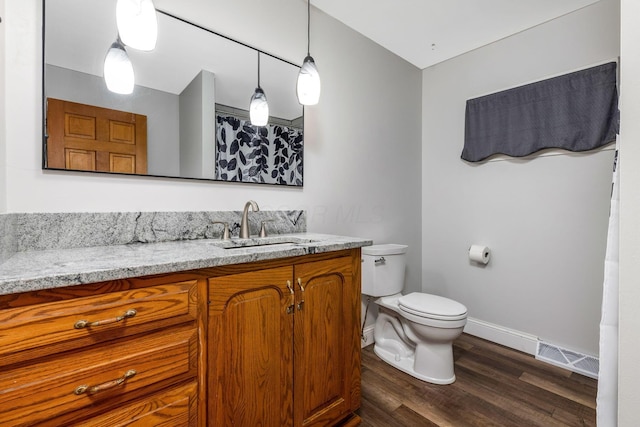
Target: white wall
x,y
545,218
3,64
362,142
629,374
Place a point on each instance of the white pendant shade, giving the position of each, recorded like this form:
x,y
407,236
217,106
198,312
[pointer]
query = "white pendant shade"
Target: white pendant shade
x,y
308,87
137,23
118,70
259,108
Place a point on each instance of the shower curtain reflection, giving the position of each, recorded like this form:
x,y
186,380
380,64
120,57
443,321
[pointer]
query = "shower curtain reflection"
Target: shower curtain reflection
x,y
271,154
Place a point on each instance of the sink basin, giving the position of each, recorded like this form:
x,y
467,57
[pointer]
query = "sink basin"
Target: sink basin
x,y
261,245
267,242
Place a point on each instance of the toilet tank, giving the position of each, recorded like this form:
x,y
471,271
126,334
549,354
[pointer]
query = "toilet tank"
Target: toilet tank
x,y
383,268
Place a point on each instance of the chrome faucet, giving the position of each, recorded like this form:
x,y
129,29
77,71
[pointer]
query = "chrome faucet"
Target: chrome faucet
x,y
244,224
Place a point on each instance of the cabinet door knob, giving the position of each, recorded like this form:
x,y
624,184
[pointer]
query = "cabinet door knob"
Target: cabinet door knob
x,y
80,324
300,284
290,287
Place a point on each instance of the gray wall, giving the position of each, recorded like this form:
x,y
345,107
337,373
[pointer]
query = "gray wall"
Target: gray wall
x,y
544,217
197,127
367,129
161,109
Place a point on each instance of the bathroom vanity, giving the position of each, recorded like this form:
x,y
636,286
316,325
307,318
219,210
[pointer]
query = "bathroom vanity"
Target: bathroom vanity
x,y
266,334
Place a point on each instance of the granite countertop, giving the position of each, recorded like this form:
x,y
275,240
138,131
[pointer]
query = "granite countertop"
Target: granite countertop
x,y
53,268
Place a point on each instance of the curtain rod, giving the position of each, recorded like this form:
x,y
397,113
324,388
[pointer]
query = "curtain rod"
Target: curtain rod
x,y
550,76
244,114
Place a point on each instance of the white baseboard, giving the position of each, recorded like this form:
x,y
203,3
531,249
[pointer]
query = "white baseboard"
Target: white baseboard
x,y
511,338
367,336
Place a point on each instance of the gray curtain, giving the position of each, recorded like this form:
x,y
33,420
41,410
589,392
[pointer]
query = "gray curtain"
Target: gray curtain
x,y
575,112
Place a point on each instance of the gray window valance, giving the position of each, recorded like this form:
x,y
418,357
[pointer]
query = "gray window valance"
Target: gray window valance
x,y
575,112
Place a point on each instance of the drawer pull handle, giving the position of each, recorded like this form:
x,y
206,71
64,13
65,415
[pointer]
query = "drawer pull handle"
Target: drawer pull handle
x,y
104,386
86,324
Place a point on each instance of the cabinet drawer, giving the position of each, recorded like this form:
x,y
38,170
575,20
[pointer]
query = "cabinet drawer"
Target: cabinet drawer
x,y
84,321
172,408
69,382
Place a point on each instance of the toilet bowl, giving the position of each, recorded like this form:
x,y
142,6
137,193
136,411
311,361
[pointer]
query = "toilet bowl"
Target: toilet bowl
x,y
413,332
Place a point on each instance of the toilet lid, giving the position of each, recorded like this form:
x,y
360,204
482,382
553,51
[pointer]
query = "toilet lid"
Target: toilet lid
x,y
388,249
432,306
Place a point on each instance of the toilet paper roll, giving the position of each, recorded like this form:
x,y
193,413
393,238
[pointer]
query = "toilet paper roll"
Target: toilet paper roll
x,y
479,253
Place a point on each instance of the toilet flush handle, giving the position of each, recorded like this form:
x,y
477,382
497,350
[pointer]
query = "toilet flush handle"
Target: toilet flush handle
x,y
379,261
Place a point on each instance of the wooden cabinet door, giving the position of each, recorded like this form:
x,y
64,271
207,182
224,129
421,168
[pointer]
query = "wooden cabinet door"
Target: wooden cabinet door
x,y
85,137
251,349
326,363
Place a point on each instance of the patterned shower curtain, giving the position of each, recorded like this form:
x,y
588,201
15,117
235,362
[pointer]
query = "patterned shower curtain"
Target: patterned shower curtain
x,y
269,154
607,401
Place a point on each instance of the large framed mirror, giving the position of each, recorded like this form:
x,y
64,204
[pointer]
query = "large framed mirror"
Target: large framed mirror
x,y
188,114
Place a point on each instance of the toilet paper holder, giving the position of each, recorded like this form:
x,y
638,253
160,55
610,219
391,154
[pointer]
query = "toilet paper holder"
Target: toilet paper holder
x,y
479,254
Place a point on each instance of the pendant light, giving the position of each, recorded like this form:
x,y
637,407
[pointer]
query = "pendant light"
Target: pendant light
x,y
118,70
137,23
308,87
259,108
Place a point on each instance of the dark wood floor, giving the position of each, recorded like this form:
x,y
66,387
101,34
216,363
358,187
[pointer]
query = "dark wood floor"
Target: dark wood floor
x,y
495,386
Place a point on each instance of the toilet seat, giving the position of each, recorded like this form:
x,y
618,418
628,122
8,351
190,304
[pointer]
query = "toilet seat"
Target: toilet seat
x,y
432,307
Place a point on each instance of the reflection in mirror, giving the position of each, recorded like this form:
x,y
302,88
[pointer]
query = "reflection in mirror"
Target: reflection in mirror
x,y
188,114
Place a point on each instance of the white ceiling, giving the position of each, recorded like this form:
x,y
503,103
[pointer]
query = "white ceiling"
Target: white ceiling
x,y
425,32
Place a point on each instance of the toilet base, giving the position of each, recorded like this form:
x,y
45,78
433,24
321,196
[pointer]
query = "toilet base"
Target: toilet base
x,y
406,365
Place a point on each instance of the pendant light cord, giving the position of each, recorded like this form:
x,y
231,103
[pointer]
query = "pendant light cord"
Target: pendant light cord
x,y
258,69
308,27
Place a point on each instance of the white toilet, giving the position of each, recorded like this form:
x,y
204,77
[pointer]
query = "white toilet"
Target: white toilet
x,y
413,332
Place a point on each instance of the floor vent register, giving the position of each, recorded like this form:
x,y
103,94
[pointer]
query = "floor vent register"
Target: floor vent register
x,y
568,359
